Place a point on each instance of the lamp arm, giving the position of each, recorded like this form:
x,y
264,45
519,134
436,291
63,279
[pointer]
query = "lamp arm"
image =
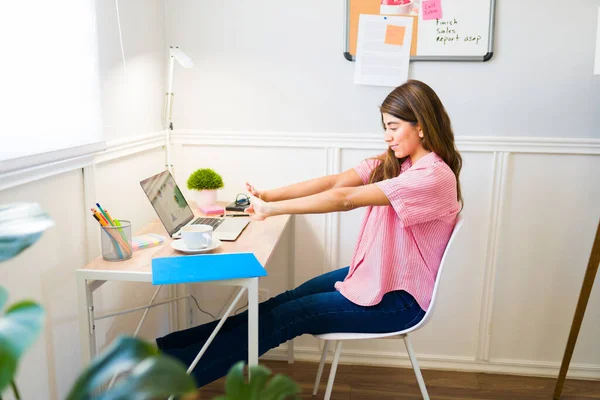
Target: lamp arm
x,y
169,124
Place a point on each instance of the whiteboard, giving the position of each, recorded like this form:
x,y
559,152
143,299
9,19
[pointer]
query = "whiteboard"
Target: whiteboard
x,y
465,31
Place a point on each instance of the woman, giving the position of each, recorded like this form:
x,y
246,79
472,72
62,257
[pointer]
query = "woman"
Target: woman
x,y
412,197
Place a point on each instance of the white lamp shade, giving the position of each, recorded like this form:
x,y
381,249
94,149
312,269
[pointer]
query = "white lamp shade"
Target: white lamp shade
x,y
181,57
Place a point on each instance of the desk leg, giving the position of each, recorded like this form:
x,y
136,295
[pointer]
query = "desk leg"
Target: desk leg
x,y
253,322
291,277
86,325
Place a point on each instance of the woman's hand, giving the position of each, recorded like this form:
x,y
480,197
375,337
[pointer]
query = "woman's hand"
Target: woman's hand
x,y
252,190
258,210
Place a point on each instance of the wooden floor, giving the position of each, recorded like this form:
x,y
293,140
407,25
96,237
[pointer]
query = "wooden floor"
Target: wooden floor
x,y
383,383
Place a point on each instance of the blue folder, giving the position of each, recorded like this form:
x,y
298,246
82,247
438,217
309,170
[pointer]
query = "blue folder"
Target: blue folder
x,y
205,267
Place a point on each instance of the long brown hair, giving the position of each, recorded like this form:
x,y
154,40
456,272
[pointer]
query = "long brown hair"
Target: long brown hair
x,y
417,103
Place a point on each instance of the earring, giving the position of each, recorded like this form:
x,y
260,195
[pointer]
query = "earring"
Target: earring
x,y
421,134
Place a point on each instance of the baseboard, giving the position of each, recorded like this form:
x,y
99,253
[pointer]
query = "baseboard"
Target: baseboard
x,y
437,362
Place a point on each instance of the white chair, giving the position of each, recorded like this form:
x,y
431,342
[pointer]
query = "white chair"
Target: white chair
x,y
338,338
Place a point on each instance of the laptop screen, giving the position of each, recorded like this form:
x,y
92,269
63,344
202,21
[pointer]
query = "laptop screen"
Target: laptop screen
x,y
168,201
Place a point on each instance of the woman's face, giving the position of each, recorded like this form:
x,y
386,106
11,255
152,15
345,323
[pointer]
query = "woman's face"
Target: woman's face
x,y
401,136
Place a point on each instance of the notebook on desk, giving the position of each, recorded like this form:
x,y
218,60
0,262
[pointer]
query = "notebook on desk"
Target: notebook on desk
x,y
205,267
175,213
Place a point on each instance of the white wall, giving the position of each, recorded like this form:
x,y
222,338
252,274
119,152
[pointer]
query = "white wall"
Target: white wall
x,y
275,66
271,100
132,107
132,92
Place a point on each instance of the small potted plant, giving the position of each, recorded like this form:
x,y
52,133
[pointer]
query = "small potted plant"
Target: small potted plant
x,y
205,182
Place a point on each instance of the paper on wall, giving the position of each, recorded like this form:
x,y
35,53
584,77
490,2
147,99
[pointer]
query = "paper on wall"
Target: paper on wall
x,y
383,50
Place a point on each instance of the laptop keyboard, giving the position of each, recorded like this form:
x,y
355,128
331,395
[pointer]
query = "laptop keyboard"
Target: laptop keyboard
x,y
214,222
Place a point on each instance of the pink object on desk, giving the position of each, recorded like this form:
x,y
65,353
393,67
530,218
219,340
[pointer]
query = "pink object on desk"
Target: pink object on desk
x,y
212,210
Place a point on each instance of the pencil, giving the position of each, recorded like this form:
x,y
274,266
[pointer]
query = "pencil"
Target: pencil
x,y
111,219
96,212
98,219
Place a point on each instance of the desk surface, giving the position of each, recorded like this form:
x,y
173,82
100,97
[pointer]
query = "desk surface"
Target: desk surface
x,y
259,237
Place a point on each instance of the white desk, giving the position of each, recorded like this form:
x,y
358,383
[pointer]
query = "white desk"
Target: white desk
x,y
260,238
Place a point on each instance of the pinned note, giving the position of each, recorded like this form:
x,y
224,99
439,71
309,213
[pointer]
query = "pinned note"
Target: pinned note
x,y
383,50
394,34
432,9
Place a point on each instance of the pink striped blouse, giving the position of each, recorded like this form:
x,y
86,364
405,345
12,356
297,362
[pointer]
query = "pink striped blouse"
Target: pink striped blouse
x,y
400,246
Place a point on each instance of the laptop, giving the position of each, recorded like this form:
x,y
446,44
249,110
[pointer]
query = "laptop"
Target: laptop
x,y
175,213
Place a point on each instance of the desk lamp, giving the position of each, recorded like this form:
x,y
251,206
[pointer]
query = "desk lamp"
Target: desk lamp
x,y
185,62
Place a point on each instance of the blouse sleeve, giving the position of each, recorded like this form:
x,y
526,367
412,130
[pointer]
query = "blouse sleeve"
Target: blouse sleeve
x,y
422,195
365,168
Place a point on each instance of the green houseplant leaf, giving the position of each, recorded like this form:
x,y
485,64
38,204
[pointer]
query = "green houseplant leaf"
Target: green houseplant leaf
x,y
122,355
128,353
3,297
280,387
156,377
204,179
19,327
21,225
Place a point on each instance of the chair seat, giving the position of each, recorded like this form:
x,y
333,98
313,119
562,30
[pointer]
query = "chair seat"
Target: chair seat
x,y
357,336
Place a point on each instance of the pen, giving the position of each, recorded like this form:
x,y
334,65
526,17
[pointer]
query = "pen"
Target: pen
x,y
104,213
237,215
100,216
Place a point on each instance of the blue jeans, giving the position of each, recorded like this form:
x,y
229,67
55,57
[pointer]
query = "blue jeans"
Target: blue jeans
x,y
314,307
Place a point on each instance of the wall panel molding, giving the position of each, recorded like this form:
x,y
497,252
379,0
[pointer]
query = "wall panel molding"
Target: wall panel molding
x,y
332,220
499,174
140,143
511,144
114,150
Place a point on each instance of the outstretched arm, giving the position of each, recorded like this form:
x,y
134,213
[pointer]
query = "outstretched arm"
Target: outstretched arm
x,y
347,178
338,199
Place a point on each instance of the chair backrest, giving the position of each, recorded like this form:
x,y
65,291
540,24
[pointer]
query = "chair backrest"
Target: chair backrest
x,y
429,312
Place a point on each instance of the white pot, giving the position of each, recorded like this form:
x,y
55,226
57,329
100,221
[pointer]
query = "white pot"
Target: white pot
x,y
205,198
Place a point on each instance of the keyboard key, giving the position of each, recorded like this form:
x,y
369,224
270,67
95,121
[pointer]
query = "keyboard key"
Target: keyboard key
x,y
214,222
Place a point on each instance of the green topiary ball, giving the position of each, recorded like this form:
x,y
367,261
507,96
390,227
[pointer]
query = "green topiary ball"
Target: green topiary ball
x,y
204,179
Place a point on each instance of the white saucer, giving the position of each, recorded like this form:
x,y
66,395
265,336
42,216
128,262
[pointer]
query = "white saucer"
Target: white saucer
x,y
180,246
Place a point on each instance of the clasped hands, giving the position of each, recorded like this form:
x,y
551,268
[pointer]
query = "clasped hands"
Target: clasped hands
x,y
258,209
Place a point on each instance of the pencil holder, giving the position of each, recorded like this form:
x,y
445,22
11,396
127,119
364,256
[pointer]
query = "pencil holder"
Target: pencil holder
x,y
116,241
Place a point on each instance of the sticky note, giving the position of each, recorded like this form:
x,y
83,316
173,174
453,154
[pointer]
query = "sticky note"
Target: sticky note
x,y
394,34
432,9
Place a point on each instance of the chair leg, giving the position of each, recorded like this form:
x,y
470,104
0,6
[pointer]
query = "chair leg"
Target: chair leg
x,y
415,365
321,364
334,364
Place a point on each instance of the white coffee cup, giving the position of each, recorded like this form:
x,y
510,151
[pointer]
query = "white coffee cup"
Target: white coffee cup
x,y
197,236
